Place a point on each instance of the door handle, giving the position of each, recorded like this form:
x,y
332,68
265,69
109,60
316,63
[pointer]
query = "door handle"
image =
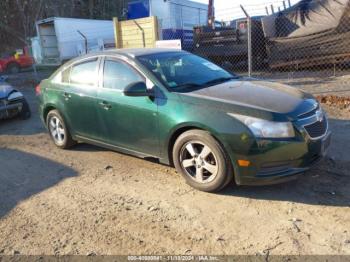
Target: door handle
x,y
105,105
66,96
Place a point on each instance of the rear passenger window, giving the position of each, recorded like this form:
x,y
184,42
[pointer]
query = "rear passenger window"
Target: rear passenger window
x,y
84,73
62,76
118,75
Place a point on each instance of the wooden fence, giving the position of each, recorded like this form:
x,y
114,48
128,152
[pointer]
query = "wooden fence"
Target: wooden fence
x,y
136,33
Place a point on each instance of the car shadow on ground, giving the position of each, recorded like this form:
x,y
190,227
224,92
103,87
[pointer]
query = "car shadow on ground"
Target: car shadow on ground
x,y
18,126
316,187
18,182
83,147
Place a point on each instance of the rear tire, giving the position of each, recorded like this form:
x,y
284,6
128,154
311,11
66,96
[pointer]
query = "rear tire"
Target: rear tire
x,y
202,161
58,130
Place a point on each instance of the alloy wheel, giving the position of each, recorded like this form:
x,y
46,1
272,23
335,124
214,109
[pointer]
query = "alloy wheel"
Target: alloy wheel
x,y
199,162
56,129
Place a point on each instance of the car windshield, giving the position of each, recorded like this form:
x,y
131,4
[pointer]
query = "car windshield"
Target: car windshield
x,y
183,72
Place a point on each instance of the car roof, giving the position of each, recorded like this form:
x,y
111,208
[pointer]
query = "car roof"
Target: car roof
x,y
131,52
134,52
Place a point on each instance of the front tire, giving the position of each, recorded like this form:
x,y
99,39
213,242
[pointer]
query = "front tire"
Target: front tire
x,y
202,161
25,113
58,130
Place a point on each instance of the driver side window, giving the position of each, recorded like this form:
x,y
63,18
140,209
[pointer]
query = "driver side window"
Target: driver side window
x,y
118,75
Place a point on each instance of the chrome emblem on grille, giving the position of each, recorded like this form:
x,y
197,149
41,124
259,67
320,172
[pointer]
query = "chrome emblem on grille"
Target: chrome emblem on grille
x,y
319,115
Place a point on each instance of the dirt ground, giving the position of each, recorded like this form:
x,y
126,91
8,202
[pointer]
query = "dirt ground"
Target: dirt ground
x,y
89,200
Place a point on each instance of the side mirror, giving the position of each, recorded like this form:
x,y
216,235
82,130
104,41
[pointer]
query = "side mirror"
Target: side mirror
x,y
137,89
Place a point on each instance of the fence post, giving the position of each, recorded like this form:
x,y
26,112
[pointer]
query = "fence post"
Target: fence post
x,y
249,29
250,61
155,30
30,50
85,41
35,71
116,32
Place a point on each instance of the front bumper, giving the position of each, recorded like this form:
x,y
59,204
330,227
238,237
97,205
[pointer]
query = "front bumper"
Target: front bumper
x,y
10,110
281,161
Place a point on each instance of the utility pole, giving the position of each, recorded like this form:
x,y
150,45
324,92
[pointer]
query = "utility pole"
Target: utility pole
x,y
249,25
267,10
211,14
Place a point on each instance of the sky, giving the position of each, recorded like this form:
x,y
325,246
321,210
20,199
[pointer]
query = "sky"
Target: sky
x,y
226,10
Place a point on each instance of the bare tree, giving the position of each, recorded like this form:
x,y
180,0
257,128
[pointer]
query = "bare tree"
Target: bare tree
x,y
18,17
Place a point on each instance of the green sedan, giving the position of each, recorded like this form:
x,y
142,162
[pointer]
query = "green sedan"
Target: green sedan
x,y
183,110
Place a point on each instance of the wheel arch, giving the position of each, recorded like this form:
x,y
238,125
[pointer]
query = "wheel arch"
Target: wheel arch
x,y
182,128
46,111
50,107
12,63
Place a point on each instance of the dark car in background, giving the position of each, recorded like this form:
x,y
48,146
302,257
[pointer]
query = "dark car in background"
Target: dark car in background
x,y
12,102
184,110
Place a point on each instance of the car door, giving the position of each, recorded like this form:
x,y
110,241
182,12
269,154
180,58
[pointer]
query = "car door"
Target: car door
x,y
127,122
80,98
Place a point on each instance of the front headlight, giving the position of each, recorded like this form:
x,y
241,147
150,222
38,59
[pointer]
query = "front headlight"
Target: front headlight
x,y
265,128
15,96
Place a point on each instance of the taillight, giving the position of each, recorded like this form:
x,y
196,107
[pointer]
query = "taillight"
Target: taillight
x,y
38,90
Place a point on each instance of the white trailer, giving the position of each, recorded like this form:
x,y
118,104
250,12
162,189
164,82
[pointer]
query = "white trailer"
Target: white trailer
x,y
61,39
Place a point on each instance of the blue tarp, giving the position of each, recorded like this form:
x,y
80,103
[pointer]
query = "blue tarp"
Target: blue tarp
x,y
138,9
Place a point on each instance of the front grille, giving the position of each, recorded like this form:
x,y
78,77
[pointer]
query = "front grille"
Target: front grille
x,y
317,129
16,101
2,102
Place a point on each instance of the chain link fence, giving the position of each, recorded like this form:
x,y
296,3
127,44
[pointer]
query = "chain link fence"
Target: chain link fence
x,y
306,44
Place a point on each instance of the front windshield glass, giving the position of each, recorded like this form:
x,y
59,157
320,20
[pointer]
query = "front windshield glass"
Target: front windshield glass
x,y
181,71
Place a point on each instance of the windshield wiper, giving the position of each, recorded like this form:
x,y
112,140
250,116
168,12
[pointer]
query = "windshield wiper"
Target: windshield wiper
x,y
219,80
209,83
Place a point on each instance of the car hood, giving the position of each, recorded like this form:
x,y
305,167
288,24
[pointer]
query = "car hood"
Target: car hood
x,y
5,90
259,95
